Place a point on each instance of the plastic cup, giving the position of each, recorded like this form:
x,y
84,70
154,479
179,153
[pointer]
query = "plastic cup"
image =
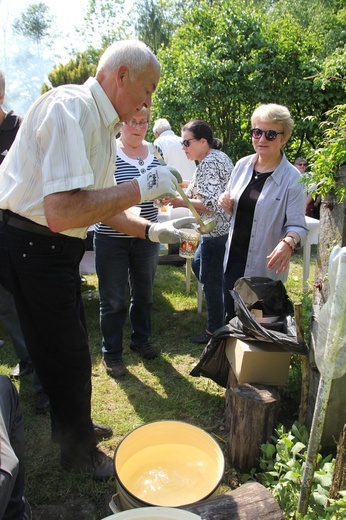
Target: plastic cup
x,y
189,241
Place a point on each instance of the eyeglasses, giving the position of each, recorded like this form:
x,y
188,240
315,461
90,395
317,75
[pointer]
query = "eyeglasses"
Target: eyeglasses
x,y
270,135
302,164
186,142
133,123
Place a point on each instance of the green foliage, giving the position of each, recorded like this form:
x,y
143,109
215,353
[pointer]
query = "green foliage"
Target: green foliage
x,y
76,71
282,464
331,154
227,57
104,23
34,22
153,26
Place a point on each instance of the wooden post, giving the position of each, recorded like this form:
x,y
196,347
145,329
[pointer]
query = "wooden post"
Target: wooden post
x,y
305,368
248,502
339,476
252,411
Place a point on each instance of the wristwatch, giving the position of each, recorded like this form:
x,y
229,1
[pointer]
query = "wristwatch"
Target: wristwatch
x,y
293,238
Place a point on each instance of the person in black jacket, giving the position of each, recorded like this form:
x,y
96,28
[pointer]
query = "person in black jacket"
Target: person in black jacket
x,y
9,126
9,122
13,504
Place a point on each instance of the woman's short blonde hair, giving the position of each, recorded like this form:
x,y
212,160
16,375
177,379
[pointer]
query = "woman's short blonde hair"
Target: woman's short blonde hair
x,y
145,111
273,113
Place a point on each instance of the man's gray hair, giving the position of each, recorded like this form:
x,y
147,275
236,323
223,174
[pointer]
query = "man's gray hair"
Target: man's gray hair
x,y
135,54
2,83
161,125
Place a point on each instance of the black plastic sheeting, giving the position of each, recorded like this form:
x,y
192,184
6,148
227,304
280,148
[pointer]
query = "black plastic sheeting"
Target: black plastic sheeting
x,y
265,294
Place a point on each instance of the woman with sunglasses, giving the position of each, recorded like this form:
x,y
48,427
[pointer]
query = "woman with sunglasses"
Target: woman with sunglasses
x,y
208,182
267,204
122,260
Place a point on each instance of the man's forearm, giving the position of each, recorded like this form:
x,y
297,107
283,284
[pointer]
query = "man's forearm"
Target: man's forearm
x,y
82,208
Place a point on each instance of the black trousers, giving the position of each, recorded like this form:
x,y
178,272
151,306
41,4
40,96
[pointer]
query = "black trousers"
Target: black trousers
x,y
47,291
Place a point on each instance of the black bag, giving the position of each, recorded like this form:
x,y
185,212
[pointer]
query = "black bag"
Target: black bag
x,y
265,294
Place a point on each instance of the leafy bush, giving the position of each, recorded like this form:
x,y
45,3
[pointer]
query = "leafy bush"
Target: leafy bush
x,y
282,465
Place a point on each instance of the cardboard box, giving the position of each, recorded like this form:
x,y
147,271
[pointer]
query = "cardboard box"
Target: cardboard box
x,y
258,362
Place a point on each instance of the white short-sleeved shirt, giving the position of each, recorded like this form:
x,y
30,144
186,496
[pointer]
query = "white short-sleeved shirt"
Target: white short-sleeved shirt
x,y
173,154
66,142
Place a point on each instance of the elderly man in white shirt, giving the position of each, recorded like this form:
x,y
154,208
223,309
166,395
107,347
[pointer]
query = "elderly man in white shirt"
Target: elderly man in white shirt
x,y
170,146
56,181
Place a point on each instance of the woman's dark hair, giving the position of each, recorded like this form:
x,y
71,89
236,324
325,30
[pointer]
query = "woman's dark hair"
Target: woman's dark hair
x,y
200,129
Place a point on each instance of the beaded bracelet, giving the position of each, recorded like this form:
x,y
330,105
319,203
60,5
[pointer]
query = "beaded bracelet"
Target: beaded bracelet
x,y
286,242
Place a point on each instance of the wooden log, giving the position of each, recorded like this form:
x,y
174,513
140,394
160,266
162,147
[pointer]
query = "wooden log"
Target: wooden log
x,y
339,475
231,383
251,501
305,367
253,416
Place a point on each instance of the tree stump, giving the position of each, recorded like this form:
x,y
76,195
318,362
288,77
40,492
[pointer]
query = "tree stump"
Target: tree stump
x,y
251,501
339,475
251,412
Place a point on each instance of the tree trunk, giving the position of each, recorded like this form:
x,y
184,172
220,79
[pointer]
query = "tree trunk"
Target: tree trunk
x,y
332,233
251,501
339,475
252,411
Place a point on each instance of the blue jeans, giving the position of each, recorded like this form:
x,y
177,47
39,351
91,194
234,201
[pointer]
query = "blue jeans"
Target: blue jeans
x,y
208,267
123,262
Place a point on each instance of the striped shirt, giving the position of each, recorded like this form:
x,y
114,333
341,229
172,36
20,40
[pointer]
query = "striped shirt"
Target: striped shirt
x,y
127,169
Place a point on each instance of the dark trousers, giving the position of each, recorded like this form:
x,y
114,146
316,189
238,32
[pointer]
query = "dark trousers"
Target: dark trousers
x,y
47,290
235,269
11,453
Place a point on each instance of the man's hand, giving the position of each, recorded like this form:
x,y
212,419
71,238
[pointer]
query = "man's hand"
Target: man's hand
x,y
168,232
158,183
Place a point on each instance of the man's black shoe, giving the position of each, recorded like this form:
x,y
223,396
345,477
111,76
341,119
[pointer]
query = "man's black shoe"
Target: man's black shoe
x,y
96,464
146,350
41,403
101,432
202,338
115,368
22,369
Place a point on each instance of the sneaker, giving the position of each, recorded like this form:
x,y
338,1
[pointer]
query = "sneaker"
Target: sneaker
x,y
115,368
41,403
22,369
203,337
146,350
101,432
96,463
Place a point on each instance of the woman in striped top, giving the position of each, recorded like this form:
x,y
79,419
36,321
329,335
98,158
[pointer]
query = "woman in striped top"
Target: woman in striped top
x,y
124,261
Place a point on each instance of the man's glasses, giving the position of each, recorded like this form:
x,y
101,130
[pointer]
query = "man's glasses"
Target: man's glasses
x,y
302,164
186,142
270,135
133,123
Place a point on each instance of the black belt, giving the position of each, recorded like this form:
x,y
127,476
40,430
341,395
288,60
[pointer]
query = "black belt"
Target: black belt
x,y
19,222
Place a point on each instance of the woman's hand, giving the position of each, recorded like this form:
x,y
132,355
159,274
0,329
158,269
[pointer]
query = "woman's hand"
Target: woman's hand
x,y
226,202
176,202
280,257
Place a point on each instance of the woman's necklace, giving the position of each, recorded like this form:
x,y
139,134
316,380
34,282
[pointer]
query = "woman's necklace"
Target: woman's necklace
x,y
257,174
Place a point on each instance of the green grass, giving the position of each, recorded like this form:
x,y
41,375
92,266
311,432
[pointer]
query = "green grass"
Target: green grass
x,y
153,390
